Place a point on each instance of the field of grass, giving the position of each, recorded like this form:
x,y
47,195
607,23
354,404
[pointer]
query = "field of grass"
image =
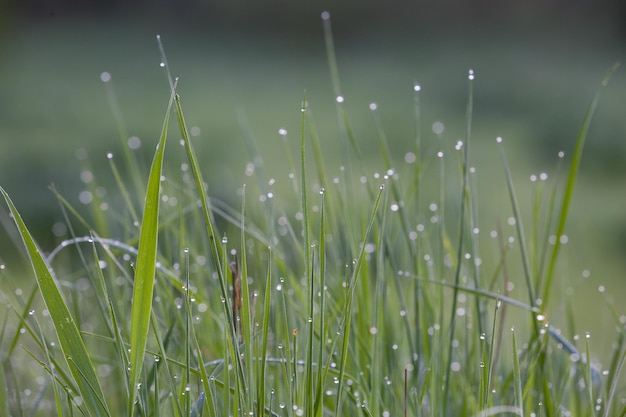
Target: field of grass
x,y
381,277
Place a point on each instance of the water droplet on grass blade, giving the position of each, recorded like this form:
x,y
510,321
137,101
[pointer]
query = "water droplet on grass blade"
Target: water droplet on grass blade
x,y
105,77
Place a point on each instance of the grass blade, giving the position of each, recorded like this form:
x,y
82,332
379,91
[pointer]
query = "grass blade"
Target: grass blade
x,y
4,400
517,379
347,313
71,342
569,186
146,267
266,325
462,226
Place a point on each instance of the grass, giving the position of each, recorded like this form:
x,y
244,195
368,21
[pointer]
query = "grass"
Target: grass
x,y
356,294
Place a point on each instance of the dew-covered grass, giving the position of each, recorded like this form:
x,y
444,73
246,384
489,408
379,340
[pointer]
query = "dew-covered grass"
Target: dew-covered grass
x,y
326,285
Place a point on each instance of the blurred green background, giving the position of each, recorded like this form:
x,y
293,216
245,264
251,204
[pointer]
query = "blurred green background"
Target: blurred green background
x,y
244,66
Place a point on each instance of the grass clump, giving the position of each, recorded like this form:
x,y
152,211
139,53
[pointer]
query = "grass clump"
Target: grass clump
x,y
357,295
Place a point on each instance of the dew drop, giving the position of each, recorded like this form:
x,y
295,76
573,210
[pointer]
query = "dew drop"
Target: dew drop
x,y
416,87
105,77
438,128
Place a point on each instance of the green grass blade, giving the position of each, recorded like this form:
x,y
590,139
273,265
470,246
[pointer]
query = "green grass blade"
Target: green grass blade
x,y
517,379
347,313
71,342
266,325
462,231
518,225
319,389
246,313
569,186
146,267
4,399
308,269
616,374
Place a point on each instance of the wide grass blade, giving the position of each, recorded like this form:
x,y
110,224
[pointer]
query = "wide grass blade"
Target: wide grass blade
x,y
70,339
146,266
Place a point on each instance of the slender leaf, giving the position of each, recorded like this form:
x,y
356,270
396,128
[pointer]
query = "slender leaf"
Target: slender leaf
x,y
71,342
569,186
146,266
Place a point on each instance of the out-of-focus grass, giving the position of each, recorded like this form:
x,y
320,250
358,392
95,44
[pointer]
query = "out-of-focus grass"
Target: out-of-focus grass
x,y
531,90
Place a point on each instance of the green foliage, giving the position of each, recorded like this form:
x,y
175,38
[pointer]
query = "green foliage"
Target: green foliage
x,y
367,300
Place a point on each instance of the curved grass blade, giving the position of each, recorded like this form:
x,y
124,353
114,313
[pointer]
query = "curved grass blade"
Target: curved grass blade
x,y
71,342
198,406
146,266
569,186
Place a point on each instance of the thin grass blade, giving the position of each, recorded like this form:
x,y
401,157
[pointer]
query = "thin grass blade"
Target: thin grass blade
x,y
569,186
347,313
517,379
4,400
